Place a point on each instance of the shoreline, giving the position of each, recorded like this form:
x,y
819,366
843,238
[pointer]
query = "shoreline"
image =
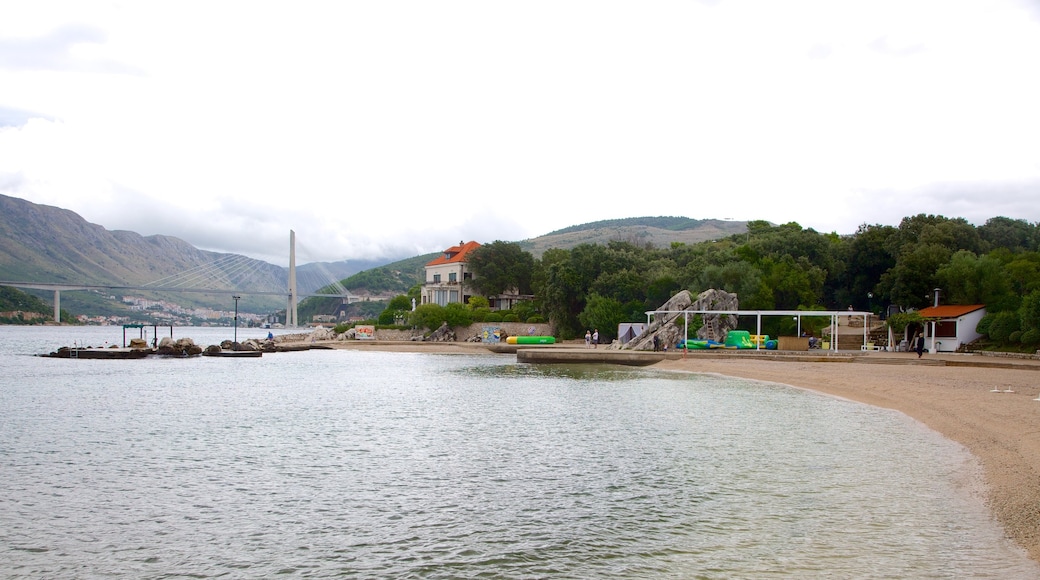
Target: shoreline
x,y
946,393
1000,429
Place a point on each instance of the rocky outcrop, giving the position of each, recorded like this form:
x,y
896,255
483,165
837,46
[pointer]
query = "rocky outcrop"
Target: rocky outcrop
x,y
670,325
444,333
179,347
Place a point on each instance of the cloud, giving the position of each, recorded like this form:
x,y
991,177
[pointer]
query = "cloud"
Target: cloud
x,y
11,117
379,131
57,52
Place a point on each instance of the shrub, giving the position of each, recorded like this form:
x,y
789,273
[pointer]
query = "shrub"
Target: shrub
x,y
1031,337
1015,337
510,318
536,319
1002,325
493,317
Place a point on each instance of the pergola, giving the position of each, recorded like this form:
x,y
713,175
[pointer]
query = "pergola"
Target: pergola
x,y
834,316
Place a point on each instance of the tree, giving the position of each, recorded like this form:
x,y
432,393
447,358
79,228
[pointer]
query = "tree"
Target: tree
x,y
911,280
603,314
428,316
1014,235
500,267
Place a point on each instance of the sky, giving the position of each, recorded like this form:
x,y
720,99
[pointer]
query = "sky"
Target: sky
x,y
388,129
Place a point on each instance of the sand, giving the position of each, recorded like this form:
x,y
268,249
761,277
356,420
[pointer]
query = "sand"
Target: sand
x,y
1001,429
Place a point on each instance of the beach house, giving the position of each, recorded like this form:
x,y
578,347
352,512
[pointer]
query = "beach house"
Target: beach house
x,y
446,276
954,325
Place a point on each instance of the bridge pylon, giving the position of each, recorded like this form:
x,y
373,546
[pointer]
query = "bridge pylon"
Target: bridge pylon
x,y
291,316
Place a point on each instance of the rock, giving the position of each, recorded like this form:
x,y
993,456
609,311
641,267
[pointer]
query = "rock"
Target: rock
x,y
444,333
322,333
138,343
251,345
212,349
670,328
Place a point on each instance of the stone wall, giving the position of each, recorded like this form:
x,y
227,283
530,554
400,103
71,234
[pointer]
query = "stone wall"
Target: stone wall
x,y
473,331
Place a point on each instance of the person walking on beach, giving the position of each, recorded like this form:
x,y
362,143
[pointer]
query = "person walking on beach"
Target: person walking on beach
x,y
595,338
588,339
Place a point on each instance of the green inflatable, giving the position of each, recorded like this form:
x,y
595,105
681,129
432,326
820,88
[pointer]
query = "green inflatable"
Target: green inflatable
x,y
530,340
739,339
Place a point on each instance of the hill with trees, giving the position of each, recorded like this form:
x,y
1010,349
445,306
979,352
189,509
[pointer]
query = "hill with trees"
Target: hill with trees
x,y
784,267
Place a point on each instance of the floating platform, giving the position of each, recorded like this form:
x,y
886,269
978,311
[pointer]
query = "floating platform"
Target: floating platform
x,y
589,356
235,353
100,353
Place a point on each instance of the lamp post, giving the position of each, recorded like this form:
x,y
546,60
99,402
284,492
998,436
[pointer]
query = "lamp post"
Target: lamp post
x,y
236,317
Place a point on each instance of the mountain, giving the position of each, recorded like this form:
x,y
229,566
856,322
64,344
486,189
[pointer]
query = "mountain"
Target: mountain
x,y
656,231
40,243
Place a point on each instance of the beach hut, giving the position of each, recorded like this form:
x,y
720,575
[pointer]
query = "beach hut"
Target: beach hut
x,y
954,325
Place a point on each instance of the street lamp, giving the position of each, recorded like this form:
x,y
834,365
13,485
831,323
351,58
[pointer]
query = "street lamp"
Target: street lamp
x,y
870,302
236,317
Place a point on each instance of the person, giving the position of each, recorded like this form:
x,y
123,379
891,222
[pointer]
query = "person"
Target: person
x,y
270,336
588,339
657,343
595,338
919,345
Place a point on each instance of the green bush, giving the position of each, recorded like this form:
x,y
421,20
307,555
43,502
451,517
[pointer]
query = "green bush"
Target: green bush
x,y
536,319
493,317
1015,337
480,313
1031,337
510,318
1002,325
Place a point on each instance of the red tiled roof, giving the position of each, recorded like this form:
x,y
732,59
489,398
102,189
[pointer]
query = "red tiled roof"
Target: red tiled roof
x,y
949,310
454,254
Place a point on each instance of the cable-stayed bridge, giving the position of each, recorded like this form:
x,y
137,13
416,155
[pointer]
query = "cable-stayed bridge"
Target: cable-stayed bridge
x,y
230,274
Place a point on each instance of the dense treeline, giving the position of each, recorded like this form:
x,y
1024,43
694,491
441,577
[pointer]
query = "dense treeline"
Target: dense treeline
x,y
788,267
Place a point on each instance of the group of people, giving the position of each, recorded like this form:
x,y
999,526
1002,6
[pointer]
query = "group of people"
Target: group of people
x,y
591,338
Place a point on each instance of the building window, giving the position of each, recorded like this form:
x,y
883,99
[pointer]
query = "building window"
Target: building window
x,y
452,277
436,278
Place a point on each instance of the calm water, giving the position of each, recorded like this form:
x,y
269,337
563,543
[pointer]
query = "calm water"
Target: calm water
x,y
357,464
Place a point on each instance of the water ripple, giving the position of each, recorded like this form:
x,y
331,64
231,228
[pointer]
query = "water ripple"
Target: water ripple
x,y
353,464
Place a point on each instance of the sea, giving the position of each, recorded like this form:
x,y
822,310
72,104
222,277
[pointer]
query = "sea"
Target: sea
x,y
356,464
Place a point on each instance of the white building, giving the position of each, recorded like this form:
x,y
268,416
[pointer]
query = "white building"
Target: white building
x,y
446,276
955,325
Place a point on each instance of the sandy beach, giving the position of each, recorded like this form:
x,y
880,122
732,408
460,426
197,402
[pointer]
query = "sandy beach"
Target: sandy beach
x,y
1002,429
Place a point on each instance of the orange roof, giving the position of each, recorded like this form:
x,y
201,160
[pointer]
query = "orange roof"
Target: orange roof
x,y
454,254
949,310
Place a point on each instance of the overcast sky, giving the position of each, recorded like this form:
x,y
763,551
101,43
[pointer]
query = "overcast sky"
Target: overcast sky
x,y
393,128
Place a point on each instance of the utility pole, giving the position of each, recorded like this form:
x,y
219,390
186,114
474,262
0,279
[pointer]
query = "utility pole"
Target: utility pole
x,y
236,316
